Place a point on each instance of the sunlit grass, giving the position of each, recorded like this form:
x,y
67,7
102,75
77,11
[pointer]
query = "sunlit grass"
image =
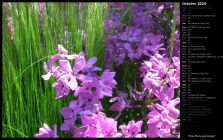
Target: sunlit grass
x,y
28,101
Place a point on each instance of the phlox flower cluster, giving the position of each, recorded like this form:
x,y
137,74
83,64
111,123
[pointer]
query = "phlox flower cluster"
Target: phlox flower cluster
x,y
145,32
88,89
143,37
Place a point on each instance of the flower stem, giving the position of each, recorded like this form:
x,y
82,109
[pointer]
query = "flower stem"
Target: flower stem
x,y
173,31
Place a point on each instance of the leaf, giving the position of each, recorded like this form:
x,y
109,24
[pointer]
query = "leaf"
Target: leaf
x,y
129,87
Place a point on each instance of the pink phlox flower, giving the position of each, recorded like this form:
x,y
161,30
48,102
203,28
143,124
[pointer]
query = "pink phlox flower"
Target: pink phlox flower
x,y
132,130
46,132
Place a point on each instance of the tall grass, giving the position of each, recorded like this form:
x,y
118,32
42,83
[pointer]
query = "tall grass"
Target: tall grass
x,y
28,101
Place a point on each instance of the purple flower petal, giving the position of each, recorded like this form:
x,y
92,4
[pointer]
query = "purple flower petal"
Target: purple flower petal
x,y
127,47
79,65
73,83
47,76
65,65
116,107
62,49
66,112
46,132
170,93
92,61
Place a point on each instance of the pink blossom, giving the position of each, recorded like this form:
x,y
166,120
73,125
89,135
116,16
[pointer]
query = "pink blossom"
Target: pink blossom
x,y
132,130
46,132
